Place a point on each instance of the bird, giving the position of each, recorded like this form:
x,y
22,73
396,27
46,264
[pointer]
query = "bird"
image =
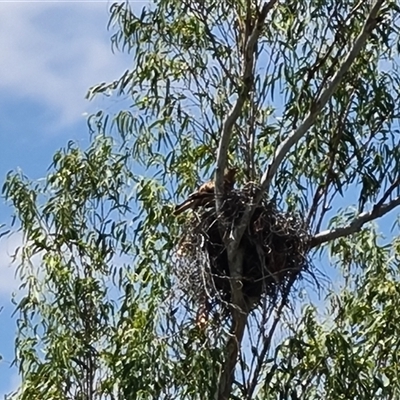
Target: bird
x,y
205,193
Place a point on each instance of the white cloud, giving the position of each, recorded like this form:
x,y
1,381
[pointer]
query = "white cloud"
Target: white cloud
x,y
53,52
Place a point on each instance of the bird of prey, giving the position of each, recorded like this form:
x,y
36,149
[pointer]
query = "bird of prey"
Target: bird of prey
x,y
205,193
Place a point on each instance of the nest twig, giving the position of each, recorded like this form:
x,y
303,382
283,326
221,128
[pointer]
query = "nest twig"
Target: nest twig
x,y
275,248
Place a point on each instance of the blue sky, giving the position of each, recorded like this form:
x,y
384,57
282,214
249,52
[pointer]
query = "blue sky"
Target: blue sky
x,y
51,53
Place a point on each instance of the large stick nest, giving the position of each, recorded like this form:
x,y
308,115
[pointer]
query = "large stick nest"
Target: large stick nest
x,y
275,247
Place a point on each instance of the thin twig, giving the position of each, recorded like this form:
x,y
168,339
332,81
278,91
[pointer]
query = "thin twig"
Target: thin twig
x,y
217,56
267,342
323,189
388,192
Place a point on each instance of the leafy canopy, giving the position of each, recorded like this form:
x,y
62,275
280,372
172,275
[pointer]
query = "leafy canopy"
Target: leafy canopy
x,y
99,315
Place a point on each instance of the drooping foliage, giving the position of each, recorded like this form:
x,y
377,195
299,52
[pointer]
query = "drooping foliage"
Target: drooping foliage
x,y
102,315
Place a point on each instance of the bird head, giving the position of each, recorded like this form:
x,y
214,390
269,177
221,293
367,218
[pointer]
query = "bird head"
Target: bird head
x,y
230,173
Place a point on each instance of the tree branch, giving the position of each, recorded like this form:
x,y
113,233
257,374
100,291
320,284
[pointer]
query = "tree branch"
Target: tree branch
x,y
321,101
355,225
309,120
234,114
267,343
239,311
232,351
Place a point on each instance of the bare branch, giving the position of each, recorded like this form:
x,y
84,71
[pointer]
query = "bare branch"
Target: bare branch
x,y
388,192
239,320
321,101
235,255
267,343
355,225
234,114
232,350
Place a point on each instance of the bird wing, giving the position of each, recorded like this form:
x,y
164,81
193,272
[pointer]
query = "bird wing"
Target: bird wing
x,y
180,208
195,200
205,193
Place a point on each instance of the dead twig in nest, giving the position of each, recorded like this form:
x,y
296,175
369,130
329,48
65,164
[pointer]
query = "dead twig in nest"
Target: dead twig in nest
x,y
275,248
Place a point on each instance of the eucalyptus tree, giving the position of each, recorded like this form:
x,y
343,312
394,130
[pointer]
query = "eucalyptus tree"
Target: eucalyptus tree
x,y
300,96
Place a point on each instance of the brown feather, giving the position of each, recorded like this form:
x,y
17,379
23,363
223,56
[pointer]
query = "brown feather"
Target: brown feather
x,y
205,193
180,208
